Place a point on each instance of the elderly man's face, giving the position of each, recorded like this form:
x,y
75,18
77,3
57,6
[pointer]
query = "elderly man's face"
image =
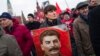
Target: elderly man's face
x,y
51,15
84,10
51,45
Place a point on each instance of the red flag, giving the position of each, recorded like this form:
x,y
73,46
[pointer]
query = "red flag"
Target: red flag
x,y
68,10
58,8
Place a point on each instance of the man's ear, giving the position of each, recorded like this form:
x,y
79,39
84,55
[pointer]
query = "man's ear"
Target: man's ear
x,y
42,47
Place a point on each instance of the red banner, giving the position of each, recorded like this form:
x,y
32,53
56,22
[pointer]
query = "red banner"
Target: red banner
x,y
65,49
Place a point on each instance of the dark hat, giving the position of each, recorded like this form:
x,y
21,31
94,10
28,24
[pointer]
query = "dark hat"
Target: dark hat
x,y
81,5
6,15
31,15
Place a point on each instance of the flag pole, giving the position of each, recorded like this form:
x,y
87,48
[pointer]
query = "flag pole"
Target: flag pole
x,y
66,3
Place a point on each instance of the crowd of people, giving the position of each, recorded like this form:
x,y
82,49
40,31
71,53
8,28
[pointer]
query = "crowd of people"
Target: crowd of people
x,y
82,23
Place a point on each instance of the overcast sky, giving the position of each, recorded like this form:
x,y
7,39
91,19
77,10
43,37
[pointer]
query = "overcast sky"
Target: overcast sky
x,y
29,6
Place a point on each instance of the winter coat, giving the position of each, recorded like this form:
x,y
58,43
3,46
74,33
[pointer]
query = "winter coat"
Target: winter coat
x,y
47,23
82,37
33,25
8,45
94,26
22,35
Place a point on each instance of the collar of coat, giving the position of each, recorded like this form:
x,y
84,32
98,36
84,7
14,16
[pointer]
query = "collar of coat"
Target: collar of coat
x,y
85,18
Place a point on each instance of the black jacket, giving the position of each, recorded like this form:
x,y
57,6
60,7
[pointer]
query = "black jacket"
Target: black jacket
x,y
94,25
53,23
33,25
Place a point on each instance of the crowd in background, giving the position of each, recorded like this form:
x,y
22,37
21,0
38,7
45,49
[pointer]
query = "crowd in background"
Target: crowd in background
x,y
82,23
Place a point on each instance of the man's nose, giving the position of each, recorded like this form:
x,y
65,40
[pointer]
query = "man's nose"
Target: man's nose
x,y
52,44
86,10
